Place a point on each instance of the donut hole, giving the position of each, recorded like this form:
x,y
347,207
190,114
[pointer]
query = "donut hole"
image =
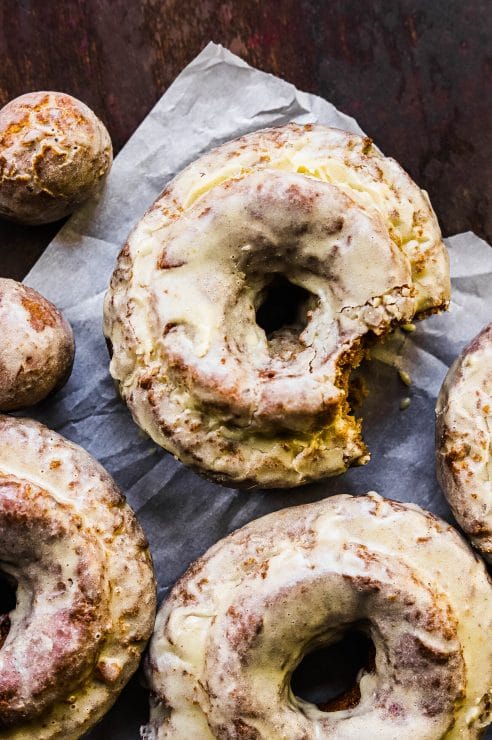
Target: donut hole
x,y
284,306
8,593
329,676
8,602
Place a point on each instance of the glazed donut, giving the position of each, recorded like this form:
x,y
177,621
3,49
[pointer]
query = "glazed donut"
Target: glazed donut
x,y
318,208
85,586
240,620
464,439
54,155
36,346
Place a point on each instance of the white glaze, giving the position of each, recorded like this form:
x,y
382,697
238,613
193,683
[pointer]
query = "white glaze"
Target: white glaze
x,y
235,626
334,216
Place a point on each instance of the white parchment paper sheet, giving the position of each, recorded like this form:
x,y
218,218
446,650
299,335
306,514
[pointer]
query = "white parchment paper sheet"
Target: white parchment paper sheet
x,y
218,97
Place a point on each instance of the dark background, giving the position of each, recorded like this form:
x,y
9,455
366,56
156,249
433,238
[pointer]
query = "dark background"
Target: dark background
x,y
417,75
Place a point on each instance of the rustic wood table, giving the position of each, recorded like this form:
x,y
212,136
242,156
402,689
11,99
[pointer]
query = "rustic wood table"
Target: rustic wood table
x,y
417,75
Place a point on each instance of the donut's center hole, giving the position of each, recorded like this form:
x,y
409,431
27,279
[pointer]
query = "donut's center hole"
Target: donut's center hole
x,y
8,602
329,677
284,305
8,593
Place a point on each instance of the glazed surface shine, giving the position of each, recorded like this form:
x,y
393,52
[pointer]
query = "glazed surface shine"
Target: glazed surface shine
x,y
242,617
84,586
54,154
325,210
464,438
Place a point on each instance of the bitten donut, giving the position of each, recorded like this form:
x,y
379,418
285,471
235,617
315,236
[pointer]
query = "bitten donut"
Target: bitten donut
x,y
54,154
85,586
36,346
309,207
464,439
240,620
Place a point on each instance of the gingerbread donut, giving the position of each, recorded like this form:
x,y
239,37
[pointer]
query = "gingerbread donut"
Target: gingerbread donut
x,y
314,209
240,620
84,580
464,439
36,346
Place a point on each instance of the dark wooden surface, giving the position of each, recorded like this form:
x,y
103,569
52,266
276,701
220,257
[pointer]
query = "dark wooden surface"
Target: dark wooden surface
x,y
417,74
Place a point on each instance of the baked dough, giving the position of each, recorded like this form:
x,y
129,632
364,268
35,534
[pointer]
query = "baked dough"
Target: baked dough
x,y
54,154
85,586
36,346
464,439
240,620
321,208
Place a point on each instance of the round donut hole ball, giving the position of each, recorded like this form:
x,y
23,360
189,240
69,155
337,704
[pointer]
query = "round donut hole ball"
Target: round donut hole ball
x,y
54,155
36,346
463,440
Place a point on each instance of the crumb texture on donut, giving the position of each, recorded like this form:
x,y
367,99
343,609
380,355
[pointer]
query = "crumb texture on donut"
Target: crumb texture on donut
x,y
84,580
36,346
326,212
54,153
464,440
240,620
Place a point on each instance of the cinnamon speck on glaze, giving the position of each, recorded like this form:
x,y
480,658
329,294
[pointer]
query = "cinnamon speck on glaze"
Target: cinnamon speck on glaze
x,y
232,631
464,440
85,586
323,210
54,154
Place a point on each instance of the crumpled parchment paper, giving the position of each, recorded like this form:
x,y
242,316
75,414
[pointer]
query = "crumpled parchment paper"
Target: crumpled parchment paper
x,y
218,97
